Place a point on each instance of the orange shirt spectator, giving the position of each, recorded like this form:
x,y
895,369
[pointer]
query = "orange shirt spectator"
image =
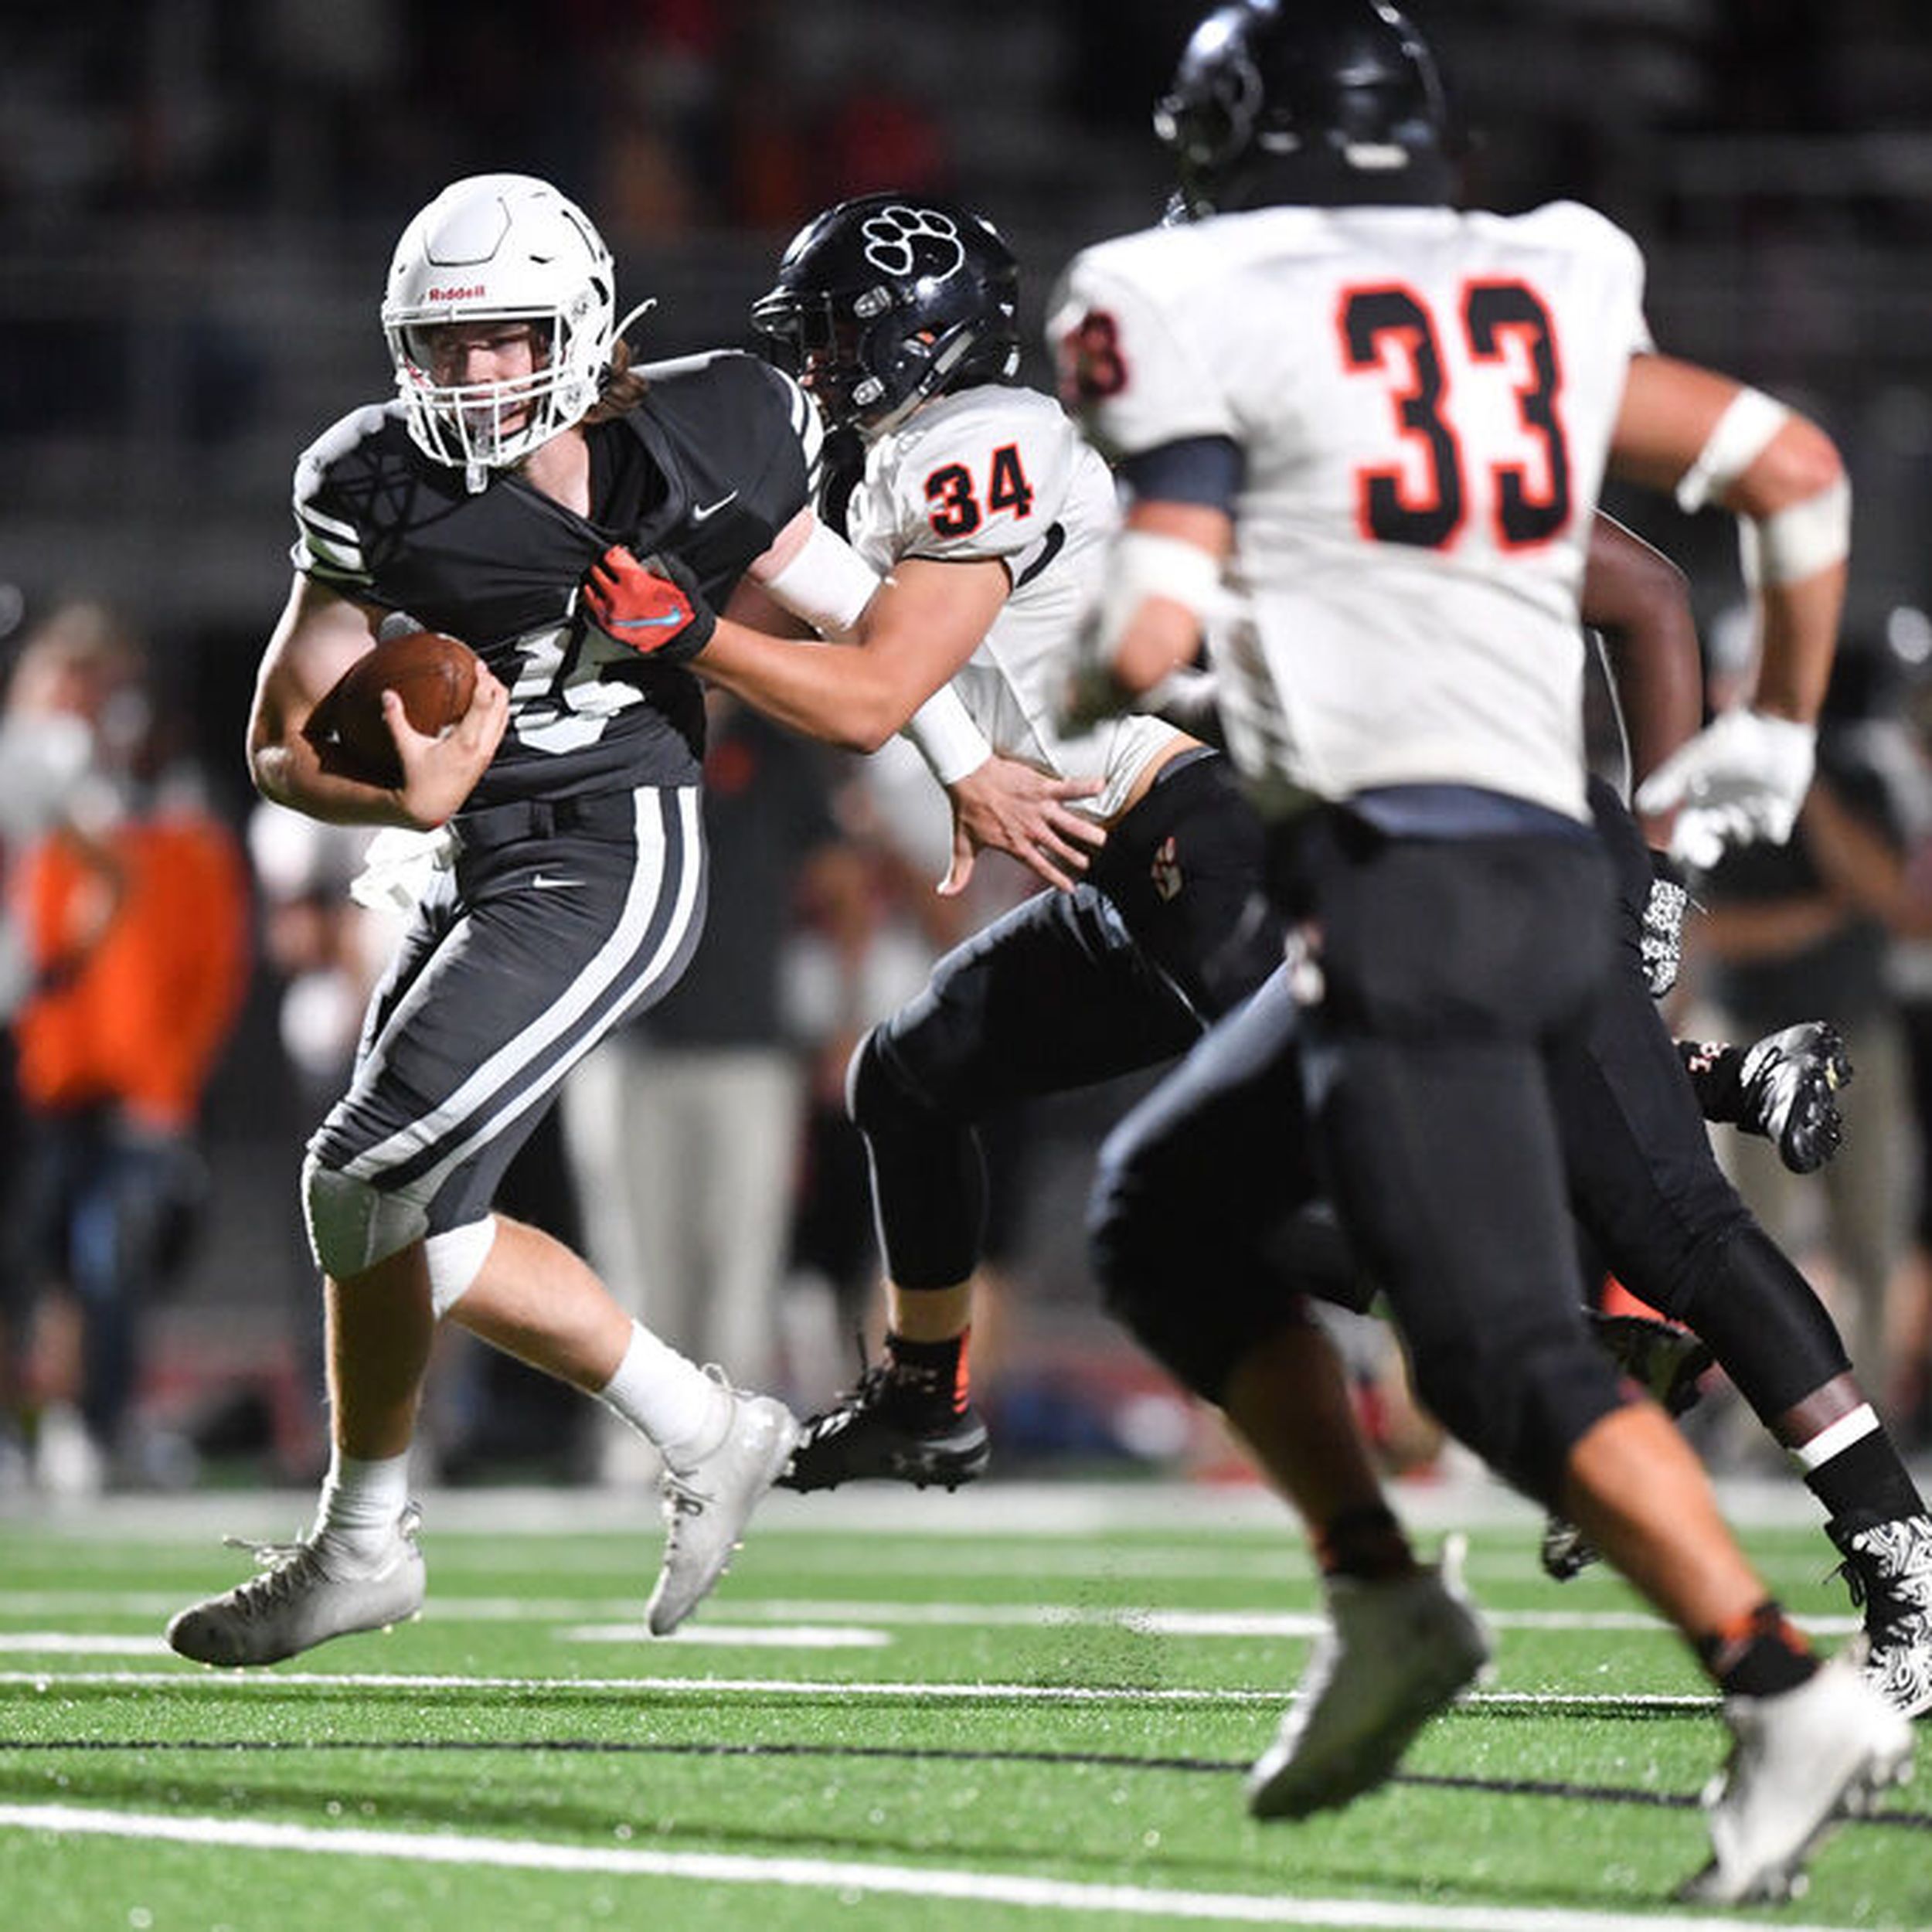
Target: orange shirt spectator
x,y
138,994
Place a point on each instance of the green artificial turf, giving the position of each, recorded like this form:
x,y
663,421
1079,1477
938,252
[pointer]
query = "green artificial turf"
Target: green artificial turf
x,y
958,1700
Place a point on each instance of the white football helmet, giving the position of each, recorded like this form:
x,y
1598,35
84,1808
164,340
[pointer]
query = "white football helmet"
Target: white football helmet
x,y
499,247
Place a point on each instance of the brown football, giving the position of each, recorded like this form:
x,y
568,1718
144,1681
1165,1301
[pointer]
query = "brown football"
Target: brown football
x,y
433,674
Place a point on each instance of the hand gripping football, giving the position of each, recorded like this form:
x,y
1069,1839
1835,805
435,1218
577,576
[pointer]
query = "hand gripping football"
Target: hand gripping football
x,y
433,674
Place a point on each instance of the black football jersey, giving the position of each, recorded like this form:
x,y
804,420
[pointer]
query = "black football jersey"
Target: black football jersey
x,y
710,466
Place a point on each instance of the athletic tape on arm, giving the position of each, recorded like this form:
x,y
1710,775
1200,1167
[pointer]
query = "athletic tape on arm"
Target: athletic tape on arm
x,y
1738,438
1146,564
1798,541
828,583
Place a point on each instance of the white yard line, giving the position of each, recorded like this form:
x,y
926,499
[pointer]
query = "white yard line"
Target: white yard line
x,y
270,1682
725,1636
843,1876
1465,1499
66,1643
805,1611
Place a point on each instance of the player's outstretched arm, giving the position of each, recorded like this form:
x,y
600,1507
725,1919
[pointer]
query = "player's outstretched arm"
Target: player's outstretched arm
x,y
1711,439
923,622
1638,602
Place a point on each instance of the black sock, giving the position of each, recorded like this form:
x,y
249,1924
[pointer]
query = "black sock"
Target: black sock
x,y
1758,1655
934,1371
1865,1484
1366,1542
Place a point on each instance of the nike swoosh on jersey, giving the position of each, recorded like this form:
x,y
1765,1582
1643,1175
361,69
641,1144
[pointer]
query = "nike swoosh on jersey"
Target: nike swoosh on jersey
x,y
700,511
543,882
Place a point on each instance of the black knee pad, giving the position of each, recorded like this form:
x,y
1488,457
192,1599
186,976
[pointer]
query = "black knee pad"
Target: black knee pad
x,y
1764,1321
928,1178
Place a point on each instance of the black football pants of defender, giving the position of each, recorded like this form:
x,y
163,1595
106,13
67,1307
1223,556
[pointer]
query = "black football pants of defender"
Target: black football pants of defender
x,y
1649,1193
1226,1132
1205,1197
1171,928
559,918
1449,971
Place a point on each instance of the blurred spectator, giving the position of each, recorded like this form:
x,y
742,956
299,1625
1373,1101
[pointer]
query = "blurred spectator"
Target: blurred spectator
x,y
878,134
135,911
1785,937
326,951
1896,886
45,781
872,928
683,1126
659,104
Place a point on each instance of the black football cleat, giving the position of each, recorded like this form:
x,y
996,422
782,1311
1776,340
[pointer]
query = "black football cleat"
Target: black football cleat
x,y
1670,1362
880,1431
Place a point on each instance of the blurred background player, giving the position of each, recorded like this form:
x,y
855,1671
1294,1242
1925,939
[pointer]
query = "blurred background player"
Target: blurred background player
x,y
1778,927
1314,386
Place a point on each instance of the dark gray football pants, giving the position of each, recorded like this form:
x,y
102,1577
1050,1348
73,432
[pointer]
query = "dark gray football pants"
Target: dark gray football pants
x,y
558,920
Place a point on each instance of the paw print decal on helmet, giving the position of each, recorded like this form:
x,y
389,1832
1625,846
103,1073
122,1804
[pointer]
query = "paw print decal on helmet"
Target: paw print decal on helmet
x,y
901,241
882,302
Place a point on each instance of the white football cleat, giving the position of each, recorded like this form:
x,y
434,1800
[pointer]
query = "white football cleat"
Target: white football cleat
x,y
1395,1652
306,1592
707,1505
1799,1761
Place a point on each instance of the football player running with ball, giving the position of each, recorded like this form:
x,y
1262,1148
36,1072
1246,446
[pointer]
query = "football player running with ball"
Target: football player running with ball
x,y
1410,410
499,498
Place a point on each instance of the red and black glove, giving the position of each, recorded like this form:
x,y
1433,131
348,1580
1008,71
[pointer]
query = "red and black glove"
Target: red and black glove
x,y
655,607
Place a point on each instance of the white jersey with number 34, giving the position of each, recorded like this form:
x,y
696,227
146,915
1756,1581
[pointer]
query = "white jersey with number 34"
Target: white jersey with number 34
x,y
999,472
1423,399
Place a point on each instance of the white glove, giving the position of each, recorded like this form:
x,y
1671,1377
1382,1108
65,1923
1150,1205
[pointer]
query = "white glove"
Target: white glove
x,y
1743,777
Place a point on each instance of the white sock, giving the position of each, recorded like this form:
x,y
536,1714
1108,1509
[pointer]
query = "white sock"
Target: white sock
x,y
362,1498
668,1397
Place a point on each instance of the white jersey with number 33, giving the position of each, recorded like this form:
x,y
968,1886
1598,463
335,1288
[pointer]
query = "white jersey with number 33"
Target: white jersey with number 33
x,y
999,472
1424,400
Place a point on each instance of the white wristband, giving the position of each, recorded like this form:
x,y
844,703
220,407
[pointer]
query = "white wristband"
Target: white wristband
x,y
949,741
828,583
1738,438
